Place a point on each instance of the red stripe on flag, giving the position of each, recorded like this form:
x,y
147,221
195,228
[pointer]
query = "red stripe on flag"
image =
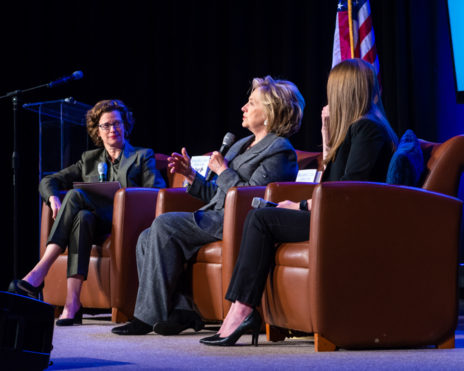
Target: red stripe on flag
x,y
345,50
365,28
370,55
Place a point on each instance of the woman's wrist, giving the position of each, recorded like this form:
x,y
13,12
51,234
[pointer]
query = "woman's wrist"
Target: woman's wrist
x,y
191,176
304,205
221,170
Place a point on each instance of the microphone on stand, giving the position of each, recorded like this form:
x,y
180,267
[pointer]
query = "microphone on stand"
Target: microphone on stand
x,y
102,169
76,75
227,142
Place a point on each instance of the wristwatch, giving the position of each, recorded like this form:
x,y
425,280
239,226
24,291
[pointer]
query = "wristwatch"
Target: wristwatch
x,y
304,205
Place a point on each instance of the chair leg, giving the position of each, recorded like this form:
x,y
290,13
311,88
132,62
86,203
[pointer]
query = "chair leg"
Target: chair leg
x,y
117,316
447,343
275,333
321,344
57,311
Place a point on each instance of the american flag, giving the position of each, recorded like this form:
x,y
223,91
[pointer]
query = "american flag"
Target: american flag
x,y
360,42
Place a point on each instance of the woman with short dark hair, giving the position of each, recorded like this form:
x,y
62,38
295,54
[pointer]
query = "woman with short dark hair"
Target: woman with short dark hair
x,y
83,216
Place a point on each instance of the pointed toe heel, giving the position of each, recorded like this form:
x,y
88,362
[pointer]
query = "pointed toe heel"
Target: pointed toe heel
x,y
22,287
76,320
251,324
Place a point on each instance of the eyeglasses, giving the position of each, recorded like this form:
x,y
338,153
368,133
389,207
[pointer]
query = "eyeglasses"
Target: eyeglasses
x,y
107,126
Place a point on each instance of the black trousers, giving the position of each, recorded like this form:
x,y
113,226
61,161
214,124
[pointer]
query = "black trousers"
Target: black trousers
x,y
263,229
83,218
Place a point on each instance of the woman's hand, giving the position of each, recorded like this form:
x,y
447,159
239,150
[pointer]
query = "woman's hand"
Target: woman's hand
x,y
55,205
292,205
325,117
217,164
180,163
289,205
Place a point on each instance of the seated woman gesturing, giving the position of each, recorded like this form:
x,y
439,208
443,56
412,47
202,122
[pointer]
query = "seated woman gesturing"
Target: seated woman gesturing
x,y
273,112
358,145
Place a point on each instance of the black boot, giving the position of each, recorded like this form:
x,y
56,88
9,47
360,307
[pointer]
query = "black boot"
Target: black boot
x,y
178,321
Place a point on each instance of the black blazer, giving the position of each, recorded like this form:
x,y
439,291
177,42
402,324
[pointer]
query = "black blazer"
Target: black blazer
x,y
136,169
364,154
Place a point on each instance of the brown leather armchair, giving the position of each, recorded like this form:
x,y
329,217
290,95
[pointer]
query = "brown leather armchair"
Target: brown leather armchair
x,y
211,269
112,279
380,266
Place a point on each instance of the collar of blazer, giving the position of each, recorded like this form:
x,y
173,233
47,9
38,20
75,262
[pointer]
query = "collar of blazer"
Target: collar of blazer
x,y
250,153
127,159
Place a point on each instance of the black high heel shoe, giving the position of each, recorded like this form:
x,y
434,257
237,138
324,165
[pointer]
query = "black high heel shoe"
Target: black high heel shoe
x,y
76,320
251,323
24,288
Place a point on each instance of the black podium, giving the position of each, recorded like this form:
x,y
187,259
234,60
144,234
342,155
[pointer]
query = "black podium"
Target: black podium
x,y
62,133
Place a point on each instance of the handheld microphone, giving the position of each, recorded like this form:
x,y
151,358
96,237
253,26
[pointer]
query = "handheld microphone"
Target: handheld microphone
x,y
76,75
102,169
227,142
259,202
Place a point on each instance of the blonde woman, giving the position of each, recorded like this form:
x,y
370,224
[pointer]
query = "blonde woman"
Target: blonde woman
x,y
273,112
359,147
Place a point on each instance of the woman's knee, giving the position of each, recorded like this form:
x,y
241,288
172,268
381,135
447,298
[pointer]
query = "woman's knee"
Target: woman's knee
x,y
74,195
259,218
163,223
85,217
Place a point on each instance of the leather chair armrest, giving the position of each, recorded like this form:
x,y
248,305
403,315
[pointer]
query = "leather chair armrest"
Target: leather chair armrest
x,y
281,191
134,211
237,206
46,223
383,257
176,199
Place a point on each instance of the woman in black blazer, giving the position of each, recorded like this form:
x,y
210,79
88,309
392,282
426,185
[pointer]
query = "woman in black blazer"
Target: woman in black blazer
x,y
358,145
83,216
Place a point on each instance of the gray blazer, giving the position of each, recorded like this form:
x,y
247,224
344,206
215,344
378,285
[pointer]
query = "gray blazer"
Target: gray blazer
x,y
272,159
137,168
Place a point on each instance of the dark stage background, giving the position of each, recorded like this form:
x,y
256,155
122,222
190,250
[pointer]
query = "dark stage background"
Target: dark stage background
x,y
185,67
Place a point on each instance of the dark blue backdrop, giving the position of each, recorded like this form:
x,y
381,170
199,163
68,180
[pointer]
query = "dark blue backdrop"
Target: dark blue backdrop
x,y
184,67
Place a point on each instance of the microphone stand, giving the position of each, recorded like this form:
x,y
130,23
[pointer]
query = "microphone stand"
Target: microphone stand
x,y
14,95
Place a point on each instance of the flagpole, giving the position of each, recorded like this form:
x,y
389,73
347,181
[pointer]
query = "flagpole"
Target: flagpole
x,y
350,24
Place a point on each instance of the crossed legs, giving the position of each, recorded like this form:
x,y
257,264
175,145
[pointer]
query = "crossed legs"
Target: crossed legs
x,y
263,229
74,227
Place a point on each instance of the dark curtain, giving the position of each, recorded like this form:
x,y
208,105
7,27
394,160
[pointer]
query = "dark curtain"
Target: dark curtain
x,y
185,67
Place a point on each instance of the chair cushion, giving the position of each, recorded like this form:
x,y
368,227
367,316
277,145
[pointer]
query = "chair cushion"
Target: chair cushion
x,y
407,163
295,254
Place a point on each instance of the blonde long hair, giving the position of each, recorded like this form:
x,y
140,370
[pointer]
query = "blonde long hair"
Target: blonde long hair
x,y
352,92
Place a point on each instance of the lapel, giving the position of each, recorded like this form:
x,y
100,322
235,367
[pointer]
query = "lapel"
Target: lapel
x,y
127,159
253,151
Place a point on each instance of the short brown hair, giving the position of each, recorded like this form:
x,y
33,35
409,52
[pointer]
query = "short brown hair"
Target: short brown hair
x,y
93,118
283,104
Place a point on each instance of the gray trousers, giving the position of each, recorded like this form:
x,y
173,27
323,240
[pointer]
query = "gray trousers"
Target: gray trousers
x,y
82,218
161,252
